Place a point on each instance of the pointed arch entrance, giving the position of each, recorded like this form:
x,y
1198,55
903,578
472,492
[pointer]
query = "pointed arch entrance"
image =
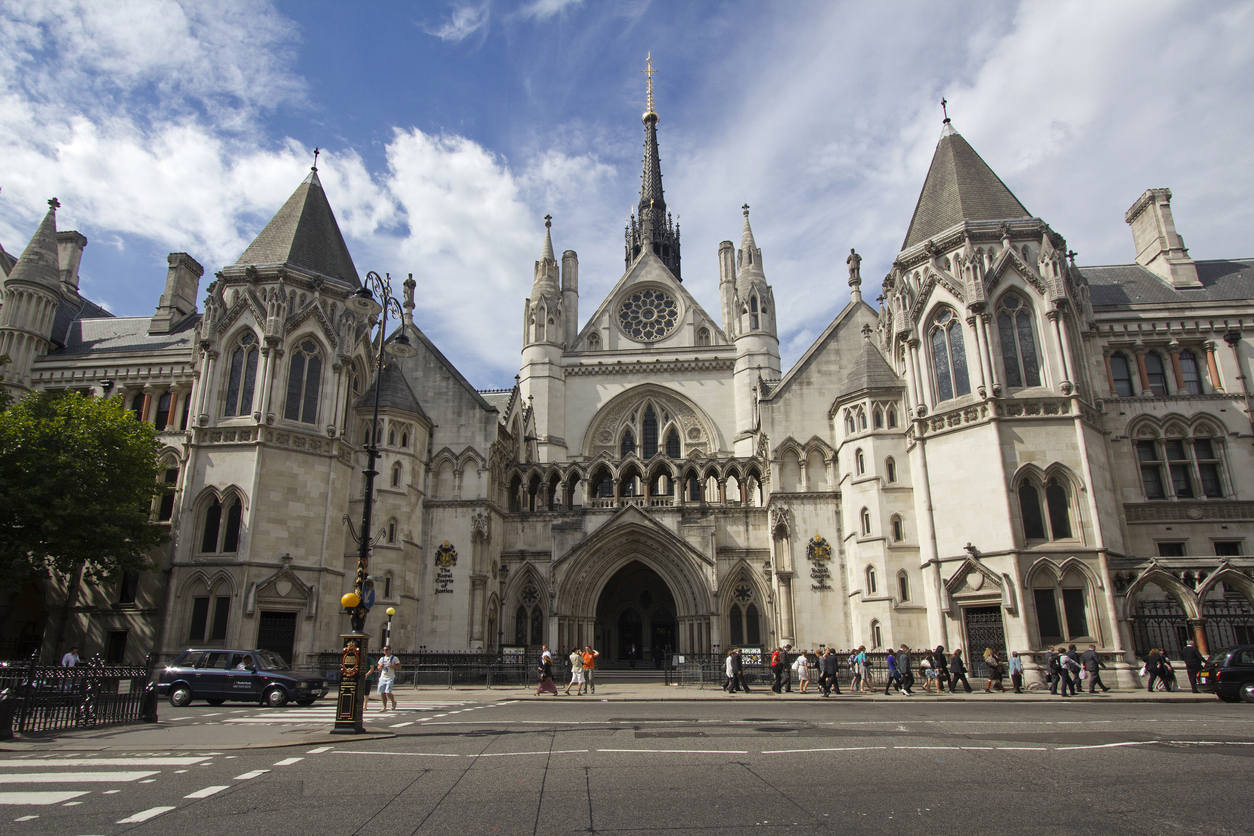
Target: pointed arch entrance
x,y
635,619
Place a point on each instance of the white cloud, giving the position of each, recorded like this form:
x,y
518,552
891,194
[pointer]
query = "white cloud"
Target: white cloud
x,y
545,9
462,22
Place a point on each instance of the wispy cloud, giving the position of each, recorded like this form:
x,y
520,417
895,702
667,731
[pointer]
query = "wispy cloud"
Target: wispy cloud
x,y
544,9
461,23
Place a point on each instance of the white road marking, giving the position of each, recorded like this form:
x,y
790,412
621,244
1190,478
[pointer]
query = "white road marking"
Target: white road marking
x,y
138,761
176,719
289,761
26,818
145,816
1108,745
205,793
682,751
248,776
841,749
148,781
72,777
507,754
71,804
401,725
41,798
319,750
401,754
110,792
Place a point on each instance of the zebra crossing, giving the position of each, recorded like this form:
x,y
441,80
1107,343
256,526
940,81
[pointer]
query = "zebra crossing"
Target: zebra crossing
x,y
323,715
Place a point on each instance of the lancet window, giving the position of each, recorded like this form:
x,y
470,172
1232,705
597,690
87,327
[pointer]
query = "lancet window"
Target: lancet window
x,y
949,356
1018,343
303,381
242,377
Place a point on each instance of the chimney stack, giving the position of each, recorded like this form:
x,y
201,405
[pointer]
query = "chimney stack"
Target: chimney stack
x,y
182,282
70,245
1159,248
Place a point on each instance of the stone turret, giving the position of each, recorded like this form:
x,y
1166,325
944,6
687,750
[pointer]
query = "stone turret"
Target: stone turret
x,y
546,335
31,293
753,330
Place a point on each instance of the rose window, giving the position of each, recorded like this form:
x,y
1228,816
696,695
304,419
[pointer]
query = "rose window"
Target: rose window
x,y
648,315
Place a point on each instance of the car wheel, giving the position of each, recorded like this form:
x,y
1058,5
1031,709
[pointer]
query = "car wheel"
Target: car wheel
x,y
1247,692
305,702
180,695
215,702
275,698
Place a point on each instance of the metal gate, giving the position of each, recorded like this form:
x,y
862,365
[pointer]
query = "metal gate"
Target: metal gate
x,y
1228,623
277,633
984,629
1162,625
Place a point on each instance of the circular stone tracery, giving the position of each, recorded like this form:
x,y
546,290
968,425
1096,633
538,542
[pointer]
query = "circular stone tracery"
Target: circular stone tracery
x,y
648,315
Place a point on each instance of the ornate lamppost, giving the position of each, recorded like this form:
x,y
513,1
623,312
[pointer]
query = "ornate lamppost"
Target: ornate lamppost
x,y
353,660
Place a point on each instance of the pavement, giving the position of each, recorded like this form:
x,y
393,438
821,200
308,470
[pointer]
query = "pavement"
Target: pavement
x,y
241,726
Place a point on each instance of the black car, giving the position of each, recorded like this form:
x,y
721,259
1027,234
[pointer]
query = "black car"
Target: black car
x,y
216,676
1230,674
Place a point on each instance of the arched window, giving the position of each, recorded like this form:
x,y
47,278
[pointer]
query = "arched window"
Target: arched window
x,y
522,619
594,342
892,418
903,585
628,444
859,461
242,378
391,532
1071,593
870,580
850,429
865,516
220,535
354,385
1030,508
396,475
1155,373
753,312
162,417
1189,371
391,437
304,378
899,532
753,630
405,439
1059,509
165,509
877,635
212,524
137,406
737,626
703,336
1121,374
861,419
387,586
648,432
949,356
230,533
672,443
1018,346
890,468
879,418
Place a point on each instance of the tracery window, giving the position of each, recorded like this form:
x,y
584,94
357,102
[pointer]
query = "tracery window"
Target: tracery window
x,y
1072,593
648,432
1121,374
743,618
648,315
242,377
628,444
594,342
529,617
1018,346
949,356
672,443
220,535
165,509
304,378
1048,521
703,336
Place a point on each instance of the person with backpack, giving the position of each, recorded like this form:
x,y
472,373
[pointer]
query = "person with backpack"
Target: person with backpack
x,y
958,672
1053,671
894,675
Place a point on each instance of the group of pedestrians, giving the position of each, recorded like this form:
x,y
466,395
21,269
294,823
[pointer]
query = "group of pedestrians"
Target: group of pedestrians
x,y
582,667
1066,670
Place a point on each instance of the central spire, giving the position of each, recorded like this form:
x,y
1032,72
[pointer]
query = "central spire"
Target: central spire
x,y
652,227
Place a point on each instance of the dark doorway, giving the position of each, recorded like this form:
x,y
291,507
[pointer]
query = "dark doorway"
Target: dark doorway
x,y
277,633
984,630
636,607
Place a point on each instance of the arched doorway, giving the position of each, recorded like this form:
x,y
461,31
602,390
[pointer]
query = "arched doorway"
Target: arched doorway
x,y
636,609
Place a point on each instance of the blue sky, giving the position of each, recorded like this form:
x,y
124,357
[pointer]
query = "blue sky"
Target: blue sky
x,y
450,129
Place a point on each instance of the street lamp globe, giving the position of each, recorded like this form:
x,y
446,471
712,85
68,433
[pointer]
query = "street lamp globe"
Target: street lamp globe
x,y
363,302
401,348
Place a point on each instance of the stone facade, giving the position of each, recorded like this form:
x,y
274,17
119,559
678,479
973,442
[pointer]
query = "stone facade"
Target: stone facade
x,y
1011,451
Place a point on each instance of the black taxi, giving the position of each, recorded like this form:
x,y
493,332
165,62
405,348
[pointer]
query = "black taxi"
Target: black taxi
x,y
217,675
1229,674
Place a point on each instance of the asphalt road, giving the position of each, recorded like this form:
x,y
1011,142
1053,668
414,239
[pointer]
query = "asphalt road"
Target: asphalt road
x,y
591,767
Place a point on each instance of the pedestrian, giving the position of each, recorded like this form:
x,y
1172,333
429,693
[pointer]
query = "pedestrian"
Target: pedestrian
x,y
1092,666
786,661
70,659
728,673
958,672
1193,663
993,662
1067,672
589,663
631,656
738,672
387,667
1152,668
1077,670
904,668
929,672
942,670
1052,670
864,669
576,673
829,672
801,670
1168,674
894,676
1016,671
777,670
547,686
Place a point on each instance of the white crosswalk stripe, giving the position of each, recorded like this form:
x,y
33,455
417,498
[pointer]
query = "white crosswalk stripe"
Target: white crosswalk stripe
x,y
25,779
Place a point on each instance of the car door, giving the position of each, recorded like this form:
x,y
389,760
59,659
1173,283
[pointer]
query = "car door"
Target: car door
x,y
243,678
210,681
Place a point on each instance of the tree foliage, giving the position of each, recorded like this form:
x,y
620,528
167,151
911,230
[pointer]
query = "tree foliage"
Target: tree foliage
x,y
77,479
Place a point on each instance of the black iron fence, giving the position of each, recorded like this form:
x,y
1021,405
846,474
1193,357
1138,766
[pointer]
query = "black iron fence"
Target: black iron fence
x,y
48,698
702,669
448,670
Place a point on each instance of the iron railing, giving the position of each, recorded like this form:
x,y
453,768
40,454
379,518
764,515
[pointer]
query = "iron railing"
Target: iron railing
x,y
449,670
702,669
47,698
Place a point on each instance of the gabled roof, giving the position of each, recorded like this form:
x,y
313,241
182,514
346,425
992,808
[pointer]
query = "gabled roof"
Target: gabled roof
x,y
394,392
869,370
304,234
959,187
124,334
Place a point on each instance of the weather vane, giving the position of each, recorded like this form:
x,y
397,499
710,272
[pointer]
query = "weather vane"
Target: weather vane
x,y
648,72
945,109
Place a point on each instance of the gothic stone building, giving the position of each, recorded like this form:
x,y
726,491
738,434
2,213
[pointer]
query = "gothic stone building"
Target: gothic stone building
x,y
1011,451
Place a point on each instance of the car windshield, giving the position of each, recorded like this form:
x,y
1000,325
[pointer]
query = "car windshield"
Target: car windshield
x,y
1219,657
272,661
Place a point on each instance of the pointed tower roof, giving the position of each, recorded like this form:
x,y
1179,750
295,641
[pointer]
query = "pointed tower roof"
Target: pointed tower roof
x,y
959,187
304,234
547,252
396,392
869,369
39,263
749,261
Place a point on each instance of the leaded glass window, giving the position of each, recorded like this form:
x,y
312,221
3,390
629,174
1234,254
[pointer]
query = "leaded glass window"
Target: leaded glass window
x,y
628,444
1188,370
243,376
303,381
672,443
1018,346
949,356
648,432
648,315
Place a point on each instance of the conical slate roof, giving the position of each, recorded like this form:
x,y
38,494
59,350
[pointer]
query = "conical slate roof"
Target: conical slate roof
x,y
869,371
959,187
39,263
395,393
304,234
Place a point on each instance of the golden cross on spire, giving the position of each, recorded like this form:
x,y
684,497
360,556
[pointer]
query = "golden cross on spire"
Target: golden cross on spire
x,y
648,72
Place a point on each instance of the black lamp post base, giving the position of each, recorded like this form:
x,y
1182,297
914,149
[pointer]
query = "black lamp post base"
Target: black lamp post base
x,y
351,702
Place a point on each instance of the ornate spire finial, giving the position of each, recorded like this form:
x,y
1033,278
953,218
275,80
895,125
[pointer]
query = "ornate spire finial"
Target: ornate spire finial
x,y
648,72
746,209
54,203
1071,254
548,221
945,110
315,165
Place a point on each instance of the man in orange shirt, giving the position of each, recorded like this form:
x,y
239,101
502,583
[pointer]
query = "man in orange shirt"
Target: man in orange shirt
x,y
589,660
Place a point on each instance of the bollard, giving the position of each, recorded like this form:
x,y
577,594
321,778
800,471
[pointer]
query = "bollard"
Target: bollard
x,y
148,705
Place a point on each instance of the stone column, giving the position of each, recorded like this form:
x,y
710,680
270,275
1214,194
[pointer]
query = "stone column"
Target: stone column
x,y
1199,635
206,384
785,607
981,351
1139,349
1173,349
1213,367
1056,316
478,597
994,368
1110,374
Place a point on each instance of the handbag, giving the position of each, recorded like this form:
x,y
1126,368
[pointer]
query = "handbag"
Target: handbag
x,y
1084,674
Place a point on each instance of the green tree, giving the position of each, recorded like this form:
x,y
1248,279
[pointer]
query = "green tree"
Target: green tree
x,y
77,479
